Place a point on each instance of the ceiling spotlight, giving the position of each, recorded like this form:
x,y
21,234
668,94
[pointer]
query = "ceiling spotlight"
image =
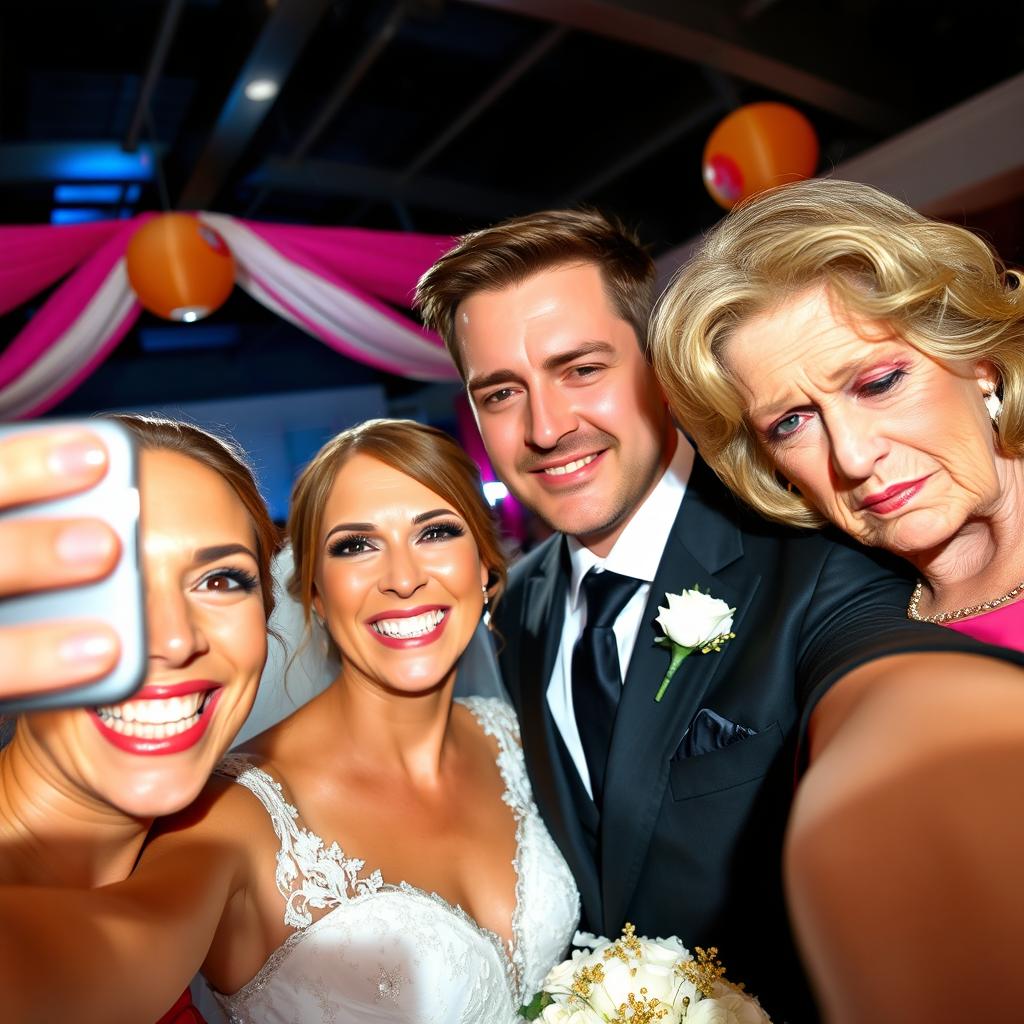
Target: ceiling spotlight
x,y
261,89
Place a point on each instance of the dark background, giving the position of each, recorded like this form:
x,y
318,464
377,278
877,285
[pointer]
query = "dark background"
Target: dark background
x,y
440,117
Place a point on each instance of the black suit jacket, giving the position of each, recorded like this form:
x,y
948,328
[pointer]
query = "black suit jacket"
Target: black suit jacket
x,y
691,846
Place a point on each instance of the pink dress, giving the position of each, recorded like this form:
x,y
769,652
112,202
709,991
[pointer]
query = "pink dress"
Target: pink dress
x,y
1003,627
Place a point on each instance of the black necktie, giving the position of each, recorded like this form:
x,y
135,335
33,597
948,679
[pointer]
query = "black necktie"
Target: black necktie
x,y
596,676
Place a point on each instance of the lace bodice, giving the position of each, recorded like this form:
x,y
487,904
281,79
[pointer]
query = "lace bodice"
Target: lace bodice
x,y
391,953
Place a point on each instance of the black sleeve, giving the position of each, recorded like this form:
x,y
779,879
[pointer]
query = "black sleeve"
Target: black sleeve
x,y
858,614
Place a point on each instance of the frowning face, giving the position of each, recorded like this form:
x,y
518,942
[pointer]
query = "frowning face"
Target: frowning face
x,y
207,644
894,447
398,580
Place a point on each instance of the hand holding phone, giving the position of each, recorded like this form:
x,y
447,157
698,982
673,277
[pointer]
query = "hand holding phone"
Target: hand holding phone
x,y
48,546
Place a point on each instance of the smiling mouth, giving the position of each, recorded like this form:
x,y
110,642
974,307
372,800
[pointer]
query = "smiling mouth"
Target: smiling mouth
x,y
155,719
569,467
411,626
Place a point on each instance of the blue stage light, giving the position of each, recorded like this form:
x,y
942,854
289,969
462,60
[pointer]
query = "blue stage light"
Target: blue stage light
x,y
87,193
77,215
102,162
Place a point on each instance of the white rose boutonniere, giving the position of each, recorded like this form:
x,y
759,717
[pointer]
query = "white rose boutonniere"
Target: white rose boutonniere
x,y
692,622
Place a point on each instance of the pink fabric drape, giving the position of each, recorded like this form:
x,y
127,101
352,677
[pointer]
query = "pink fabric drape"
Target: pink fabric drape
x,y
384,263
33,257
339,284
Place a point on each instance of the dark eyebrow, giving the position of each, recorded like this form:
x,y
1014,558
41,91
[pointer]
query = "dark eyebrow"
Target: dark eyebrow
x,y
218,551
424,516
487,380
554,362
370,527
587,348
349,528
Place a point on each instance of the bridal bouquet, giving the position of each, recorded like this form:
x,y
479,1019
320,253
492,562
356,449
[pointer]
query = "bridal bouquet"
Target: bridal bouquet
x,y
639,981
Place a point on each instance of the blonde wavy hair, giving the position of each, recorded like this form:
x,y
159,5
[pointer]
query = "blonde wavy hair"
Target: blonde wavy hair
x,y
937,286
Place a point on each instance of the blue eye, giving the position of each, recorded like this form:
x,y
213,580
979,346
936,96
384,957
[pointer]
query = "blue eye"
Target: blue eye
x,y
497,397
786,426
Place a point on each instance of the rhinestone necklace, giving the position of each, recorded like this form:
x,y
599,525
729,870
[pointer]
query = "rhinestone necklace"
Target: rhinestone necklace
x,y
958,613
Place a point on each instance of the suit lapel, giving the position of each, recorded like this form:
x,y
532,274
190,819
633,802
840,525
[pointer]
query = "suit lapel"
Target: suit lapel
x,y
548,760
703,541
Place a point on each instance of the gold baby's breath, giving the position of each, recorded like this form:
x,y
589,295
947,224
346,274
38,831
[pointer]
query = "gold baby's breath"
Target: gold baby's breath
x,y
585,978
626,947
640,1010
703,972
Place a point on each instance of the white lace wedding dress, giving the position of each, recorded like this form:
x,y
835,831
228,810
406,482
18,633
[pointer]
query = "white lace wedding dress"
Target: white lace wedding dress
x,y
389,953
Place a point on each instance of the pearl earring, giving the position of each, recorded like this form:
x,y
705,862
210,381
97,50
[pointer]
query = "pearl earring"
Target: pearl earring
x,y
487,597
994,404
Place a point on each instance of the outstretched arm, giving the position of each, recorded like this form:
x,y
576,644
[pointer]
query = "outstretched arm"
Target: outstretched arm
x,y
906,842
121,953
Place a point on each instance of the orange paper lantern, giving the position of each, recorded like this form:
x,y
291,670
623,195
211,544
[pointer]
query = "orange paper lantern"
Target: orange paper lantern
x,y
179,267
756,147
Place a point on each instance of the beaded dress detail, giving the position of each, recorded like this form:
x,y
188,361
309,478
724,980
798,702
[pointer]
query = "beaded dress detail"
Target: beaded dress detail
x,y
394,954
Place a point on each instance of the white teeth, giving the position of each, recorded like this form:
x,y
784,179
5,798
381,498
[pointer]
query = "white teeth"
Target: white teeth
x,y
154,719
570,467
416,625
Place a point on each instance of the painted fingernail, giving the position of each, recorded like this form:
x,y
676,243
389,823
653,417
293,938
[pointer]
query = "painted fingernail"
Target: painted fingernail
x,y
80,647
84,543
77,456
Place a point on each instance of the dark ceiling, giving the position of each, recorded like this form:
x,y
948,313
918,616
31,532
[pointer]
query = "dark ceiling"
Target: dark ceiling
x,y
438,117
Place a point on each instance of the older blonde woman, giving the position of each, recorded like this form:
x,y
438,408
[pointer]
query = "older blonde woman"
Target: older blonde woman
x,y
840,358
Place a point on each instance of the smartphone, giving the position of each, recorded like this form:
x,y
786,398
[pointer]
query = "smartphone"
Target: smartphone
x,y
117,599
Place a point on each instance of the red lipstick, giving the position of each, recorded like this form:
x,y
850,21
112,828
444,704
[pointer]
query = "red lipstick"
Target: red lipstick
x,y
892,498
132,743
402,643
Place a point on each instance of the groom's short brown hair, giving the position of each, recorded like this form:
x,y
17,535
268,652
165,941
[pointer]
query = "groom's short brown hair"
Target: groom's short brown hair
x,y
508,253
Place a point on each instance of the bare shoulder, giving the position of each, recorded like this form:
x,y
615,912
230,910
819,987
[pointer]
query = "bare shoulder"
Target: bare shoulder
x,y
490,723
291,738
225,814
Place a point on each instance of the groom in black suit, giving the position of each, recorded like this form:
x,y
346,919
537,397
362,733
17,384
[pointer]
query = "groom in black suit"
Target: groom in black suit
x,y
671,814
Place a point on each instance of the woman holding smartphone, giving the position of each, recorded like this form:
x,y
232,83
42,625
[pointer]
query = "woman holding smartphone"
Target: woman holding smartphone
x,y
80,788
378,855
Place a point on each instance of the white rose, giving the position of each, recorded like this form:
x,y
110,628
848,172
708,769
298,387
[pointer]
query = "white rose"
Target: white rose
x,y
727,1007
619,981
709,1011
667,952
556,1013
559,978
590,940
685,990
746,1009
692,618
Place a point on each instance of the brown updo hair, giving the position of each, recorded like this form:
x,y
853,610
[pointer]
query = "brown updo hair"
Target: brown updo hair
x,y
224,457
427,455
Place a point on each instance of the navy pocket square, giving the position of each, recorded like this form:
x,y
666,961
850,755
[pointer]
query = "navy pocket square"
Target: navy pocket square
x,y
710,731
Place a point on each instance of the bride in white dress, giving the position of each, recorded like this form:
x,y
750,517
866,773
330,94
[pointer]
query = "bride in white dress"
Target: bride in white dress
x,y
398,868
377,856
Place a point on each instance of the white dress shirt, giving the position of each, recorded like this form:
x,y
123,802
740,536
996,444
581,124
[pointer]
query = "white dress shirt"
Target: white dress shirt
x,y
637,553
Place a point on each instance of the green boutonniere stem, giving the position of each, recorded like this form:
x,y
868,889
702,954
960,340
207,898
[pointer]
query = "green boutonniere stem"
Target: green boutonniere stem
x,y
678,654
